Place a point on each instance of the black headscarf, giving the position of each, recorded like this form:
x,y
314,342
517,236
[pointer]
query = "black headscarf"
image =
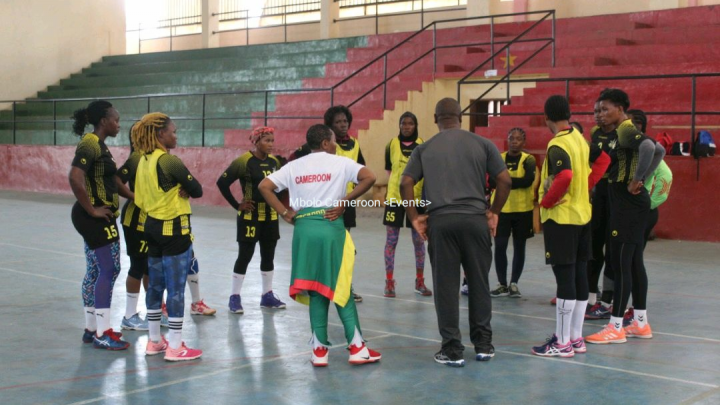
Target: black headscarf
x,y
414,136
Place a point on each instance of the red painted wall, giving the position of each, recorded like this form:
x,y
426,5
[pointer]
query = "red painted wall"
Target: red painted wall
x,y
46,168
689,214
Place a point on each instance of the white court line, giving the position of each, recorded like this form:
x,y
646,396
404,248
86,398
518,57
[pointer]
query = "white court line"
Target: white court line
x,y
210,374
600,326
42,250
562,361
40,275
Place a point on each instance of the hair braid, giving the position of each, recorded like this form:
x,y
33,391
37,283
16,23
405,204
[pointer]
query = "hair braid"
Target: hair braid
x,y
144,132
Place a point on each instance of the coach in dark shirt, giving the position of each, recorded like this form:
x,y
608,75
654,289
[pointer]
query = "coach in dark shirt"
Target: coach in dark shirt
x,y
459,225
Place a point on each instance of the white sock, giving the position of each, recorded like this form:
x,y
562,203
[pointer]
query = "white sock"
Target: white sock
x,y
153,317
175,334
592,299
315,342
267,277
237,283
616,322
90,321
357,340
641,317
131,304
563,310
578,318
193,281
102,317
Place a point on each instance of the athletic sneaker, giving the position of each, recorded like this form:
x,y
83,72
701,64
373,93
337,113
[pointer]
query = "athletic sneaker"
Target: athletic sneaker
x,y
514,291
363,355
552,348
110,341
628,317
420,287
442,358
553,301
389,289
182,353
135,322
271,300
235,304
464,289
199,308
635,331
319,357
154,348
598,311
578,345
485,356
608,335
500,291
357,297
88,336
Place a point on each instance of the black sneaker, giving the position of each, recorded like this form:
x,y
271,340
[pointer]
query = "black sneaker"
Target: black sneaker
x,y
485,355
500,291
357,297
514,291
441,358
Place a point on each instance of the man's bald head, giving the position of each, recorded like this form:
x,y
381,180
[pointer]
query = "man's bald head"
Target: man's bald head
x,y
447,114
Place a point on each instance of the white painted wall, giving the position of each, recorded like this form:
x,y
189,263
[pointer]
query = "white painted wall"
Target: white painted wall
x,y
43,41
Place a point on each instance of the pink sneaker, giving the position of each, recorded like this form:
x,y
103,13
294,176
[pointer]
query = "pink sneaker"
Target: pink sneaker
x,y
363,355
154,348
199,308
578,345
182,353
319,357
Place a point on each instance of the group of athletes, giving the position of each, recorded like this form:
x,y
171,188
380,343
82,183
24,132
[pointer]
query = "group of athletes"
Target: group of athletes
x,y
616,170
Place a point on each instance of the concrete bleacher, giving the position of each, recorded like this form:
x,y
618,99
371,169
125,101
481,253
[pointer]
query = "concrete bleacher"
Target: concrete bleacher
x,y
235,69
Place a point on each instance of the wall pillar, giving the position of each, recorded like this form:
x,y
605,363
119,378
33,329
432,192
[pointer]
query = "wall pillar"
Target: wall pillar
x,y
329,12
210,24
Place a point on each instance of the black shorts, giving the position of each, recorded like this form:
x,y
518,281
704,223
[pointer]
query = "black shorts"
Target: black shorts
x,y
396,215
96,232
160,245
349,217
252,230
135,242
519,224
628,214
566,244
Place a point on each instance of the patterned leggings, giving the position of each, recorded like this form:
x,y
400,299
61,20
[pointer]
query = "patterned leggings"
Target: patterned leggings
x,y
393,234
169,272
103,267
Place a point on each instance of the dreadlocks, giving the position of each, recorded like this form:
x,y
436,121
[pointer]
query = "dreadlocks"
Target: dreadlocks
x,y
144,132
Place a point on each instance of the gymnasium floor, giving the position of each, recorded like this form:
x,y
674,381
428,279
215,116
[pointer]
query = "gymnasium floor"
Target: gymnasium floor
x,y
261,357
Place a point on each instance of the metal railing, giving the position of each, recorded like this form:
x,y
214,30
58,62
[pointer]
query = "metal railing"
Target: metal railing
x,y
273,10
331,90
693,112
170,24
349,4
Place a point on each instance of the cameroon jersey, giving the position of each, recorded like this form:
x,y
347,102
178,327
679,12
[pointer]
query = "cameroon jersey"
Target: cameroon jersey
x,y
576,209
250,171
625,161
607,142
93,157
132,217
160,176
397,154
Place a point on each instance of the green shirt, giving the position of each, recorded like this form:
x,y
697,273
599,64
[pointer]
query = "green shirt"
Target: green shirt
x,y
658,185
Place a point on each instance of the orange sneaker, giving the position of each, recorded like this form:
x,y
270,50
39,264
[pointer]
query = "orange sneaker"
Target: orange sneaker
x,y
608,335
635,331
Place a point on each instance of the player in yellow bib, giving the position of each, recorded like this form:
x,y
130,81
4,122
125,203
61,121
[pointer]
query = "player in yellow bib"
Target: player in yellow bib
x,y
397,153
